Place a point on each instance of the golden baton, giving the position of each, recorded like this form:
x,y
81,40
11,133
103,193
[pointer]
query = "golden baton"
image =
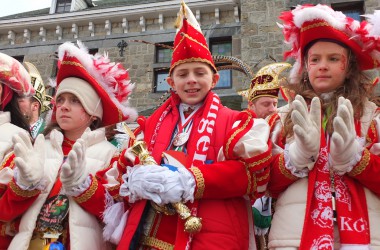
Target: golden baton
x,y
192,224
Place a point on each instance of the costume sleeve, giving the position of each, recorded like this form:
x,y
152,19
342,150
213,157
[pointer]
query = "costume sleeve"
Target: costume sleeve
x,y
243,163
96,197
280,176
93,199
367,171
14,201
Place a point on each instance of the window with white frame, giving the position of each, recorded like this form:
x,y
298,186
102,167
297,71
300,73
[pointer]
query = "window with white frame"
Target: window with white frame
x,y
222,46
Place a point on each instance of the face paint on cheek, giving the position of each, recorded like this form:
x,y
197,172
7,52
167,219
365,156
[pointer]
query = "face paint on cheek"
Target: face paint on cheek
x,y
344,61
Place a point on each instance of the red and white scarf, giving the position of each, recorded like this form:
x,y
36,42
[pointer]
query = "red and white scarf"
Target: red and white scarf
x,y
198,150
352,214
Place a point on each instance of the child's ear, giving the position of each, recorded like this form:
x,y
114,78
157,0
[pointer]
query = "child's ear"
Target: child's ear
x,y
170,82
215,79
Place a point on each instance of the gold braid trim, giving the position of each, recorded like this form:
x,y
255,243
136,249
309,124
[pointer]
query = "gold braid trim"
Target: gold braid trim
x,y
372,127
5,160
315,25
89,193
112,189
249,182
2,230
200,182
22,193
156,243
362,165
238,131
253,164
264,177
283,170
253,184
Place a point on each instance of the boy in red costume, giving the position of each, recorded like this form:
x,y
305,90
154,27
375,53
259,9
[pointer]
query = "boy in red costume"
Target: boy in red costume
x,y
226,153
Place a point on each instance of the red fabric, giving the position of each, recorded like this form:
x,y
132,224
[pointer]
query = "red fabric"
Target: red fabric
x,y
190,46
280,177
224,215
369,176
6,96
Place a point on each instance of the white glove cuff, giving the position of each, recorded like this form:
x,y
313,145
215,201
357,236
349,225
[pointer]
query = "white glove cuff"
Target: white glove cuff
x,y
188,183
41,185
124,187
302,170
78,190
341,169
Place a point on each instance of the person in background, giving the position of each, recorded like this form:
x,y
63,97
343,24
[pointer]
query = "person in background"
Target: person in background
x,y
207,173
33,107
262,98
54,194
326,177
14,81
263,93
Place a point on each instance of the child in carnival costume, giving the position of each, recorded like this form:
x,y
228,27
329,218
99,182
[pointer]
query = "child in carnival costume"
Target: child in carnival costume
x,y
14,82
224,160
55,193
326,178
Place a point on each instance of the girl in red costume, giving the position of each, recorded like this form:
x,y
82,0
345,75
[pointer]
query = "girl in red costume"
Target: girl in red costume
x,y
53,193
215,184
326,178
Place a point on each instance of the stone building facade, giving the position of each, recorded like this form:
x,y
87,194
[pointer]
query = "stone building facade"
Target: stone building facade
x,y
246,28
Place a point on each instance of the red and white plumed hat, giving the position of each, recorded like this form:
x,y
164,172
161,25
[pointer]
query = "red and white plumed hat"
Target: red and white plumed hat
x,y
14,77
110,80
371,35
189,43
308,23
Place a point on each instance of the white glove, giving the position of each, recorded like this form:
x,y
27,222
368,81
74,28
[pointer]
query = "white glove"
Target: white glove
x,y
143,182
74,171
345,150
303,151
179,185
30,159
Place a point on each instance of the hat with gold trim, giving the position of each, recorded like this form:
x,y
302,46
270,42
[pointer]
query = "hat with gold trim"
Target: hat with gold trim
x,y
266,82
307,23
110,81
39,87
189,43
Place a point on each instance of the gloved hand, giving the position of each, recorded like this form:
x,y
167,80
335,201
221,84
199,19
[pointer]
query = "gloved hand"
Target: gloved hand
x,y
74,171
30,159
344,149
179,185
303,151
143,182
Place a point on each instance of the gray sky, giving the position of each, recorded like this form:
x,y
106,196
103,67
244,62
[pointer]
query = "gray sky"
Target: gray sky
x,y
10,7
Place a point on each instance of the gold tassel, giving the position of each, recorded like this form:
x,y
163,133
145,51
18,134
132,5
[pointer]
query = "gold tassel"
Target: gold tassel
x,y
181,15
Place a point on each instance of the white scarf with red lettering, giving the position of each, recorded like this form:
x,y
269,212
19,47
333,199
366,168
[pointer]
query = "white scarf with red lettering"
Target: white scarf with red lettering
x,y
352,214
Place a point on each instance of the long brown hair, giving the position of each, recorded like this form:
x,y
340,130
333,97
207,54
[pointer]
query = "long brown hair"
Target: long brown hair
x,y
353,89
